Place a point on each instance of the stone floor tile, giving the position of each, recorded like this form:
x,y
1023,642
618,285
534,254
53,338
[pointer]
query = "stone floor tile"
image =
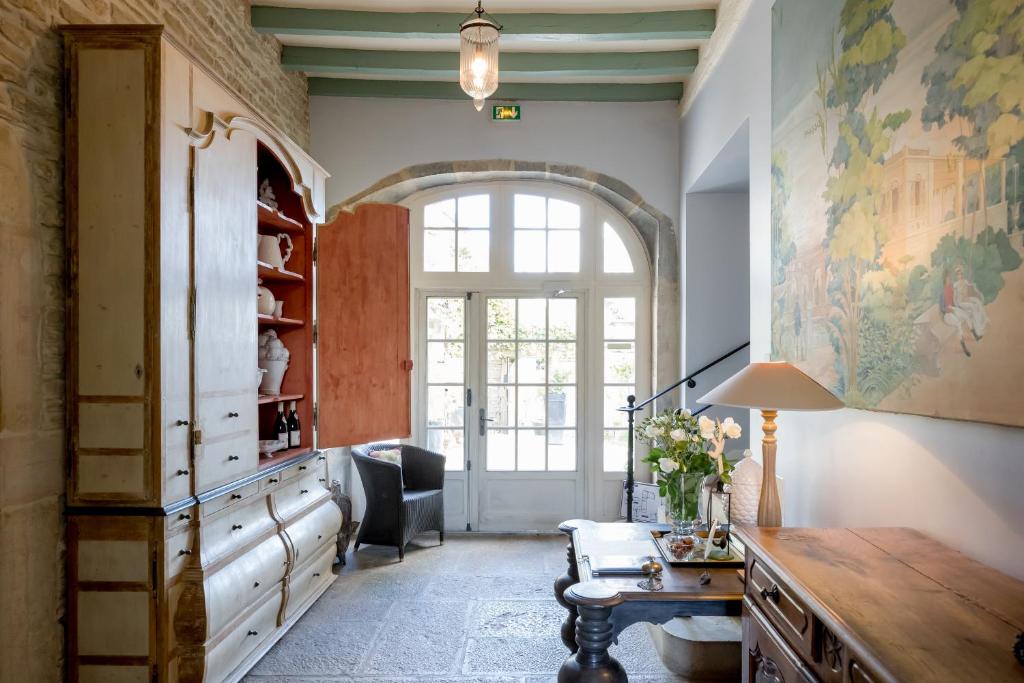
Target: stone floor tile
x,y
411,651
636,652
524,618
514,655
318,650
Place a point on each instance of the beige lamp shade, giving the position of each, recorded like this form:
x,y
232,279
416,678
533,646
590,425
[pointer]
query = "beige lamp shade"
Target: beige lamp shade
x,y
774,386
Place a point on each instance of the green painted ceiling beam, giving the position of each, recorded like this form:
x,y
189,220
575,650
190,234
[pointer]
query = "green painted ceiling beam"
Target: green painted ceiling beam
x,y
414,65
672,25
564,92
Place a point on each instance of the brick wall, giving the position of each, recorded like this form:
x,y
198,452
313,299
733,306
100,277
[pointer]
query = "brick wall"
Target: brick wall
x,y
32,277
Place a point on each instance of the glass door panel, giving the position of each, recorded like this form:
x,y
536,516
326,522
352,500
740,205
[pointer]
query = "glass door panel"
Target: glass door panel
x,y
446,378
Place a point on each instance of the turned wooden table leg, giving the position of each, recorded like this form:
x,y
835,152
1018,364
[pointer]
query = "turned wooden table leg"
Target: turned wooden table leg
x,y
594,634
570,577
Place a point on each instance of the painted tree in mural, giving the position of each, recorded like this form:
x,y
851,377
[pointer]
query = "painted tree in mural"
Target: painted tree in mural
x,y
855,234
783,244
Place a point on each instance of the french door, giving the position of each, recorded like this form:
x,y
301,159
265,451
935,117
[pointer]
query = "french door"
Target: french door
x,y
500,397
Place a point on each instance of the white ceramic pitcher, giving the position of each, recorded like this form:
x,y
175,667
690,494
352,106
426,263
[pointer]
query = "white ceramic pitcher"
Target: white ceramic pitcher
x,y
268,249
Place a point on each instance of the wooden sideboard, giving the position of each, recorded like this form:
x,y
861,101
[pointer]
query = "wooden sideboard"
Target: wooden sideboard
x,y
888,604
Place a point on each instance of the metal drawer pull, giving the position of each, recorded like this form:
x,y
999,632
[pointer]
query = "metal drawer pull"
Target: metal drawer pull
x,y
236,527
184,516
316,574
232,414
252,633
256,585
181,423
321,458
319,536
182,472
272,481
236,496
771,594
184,551
301,468
232,457
321,479
304,491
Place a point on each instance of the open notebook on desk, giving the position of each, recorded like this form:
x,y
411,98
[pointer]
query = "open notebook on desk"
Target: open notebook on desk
x,y
620,557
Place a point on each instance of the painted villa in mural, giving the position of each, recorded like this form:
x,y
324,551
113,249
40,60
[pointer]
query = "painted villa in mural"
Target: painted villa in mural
x,y
898,202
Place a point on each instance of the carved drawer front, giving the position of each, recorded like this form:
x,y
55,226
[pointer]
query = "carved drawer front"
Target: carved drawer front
x,y
235,528
220,416
780,605
241,582
315,530
227,500
242,640
224,460
299,493
766,657
178,550
305,582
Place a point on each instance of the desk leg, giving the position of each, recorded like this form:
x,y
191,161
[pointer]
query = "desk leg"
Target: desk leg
x,y
570,577
592,663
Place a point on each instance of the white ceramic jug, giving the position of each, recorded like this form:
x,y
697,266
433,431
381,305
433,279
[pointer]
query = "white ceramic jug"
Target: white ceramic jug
x,y
268,249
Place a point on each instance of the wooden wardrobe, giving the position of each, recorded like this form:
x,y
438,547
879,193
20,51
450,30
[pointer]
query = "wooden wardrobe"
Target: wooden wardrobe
x,y
190,554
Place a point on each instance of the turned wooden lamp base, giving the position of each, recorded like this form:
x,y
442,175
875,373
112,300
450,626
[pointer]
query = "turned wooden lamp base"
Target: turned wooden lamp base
x,y
769,508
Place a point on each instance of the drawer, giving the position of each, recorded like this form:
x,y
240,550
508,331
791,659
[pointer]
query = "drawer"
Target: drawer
x,y
766,657
225,501
220,416
297,494
778,602
225,460
234,528
300,469
243,640
270,481
313,531
307,580
179,519
178,550
241,582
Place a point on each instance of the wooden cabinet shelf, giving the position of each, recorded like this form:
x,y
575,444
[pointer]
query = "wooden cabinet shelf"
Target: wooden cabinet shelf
x,y
286,454
272,218
270,321
264,400
270,274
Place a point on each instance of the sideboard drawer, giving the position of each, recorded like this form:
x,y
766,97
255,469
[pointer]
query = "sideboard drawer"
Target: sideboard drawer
x,y
790,617
235,528
313,531
225,460
299,493
227,500
223,415
242,640
768,657
244,580
310,578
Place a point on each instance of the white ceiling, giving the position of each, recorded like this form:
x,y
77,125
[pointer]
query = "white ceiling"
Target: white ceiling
x,y
495,6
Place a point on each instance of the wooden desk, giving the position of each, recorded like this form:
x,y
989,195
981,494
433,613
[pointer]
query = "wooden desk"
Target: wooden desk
x,y
601,607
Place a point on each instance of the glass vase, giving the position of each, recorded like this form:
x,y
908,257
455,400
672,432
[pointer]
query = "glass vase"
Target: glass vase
x,y
684,507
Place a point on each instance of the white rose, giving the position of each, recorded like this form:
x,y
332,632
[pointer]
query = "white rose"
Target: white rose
x,y
687,413
668,465
678,435
652,431
731,429
706,426
695,438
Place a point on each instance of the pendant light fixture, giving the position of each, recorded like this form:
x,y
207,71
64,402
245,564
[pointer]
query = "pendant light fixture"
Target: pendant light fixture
x,y
478,55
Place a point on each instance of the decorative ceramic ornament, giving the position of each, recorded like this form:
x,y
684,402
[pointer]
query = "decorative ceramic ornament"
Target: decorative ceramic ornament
x,y
273,357
268,249
264,299
266,195
746,491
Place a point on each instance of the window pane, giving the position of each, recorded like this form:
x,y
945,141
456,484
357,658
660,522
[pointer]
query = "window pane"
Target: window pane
x,y
562,450
474,251
562,319
562,363
531,410
532,318
531,450
445,317
501,450
531,366
501,318
619,363
445,363
439,214
563,215
616,258
615,398
620,318
530,255
500,406
439,251
615,450
564,251
501,363
445,406
561,406
448,442
475,211
529,211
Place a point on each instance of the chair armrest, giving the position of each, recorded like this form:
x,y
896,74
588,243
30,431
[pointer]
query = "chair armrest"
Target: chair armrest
x,y
378,476
422,470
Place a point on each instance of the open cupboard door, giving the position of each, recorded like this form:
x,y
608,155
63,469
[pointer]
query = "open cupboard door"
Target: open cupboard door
x,y
363,354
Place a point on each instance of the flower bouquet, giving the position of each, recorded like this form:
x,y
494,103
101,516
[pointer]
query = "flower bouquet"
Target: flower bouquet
x,y
684,450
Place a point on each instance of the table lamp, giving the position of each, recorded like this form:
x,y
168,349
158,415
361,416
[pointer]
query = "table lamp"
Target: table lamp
x,y
771,387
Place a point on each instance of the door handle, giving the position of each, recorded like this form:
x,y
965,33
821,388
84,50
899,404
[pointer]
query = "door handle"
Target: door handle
x,y
483,421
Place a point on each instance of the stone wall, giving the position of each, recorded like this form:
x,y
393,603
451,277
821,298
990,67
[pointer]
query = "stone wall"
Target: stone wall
x,y
32,277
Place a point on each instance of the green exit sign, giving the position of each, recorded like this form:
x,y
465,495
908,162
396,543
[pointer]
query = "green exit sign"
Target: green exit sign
x,y
506,112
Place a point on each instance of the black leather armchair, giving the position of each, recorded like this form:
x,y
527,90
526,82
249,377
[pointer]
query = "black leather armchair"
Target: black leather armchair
x,y
401,502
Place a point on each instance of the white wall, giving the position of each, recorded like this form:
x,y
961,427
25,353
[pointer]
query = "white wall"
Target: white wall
x,y
960,482
361,140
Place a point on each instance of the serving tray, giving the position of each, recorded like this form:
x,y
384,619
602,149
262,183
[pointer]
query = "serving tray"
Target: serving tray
x,y
734,561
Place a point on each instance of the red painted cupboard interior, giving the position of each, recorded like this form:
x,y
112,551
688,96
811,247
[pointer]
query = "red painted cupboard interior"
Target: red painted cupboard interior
x,y
363,354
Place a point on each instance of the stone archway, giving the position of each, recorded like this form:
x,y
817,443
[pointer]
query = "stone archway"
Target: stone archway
x,y
654,228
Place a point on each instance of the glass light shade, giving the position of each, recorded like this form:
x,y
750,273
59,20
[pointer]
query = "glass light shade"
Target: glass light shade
x,y
478,58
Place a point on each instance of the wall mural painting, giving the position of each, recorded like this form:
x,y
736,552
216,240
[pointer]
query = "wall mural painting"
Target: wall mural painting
x,y
898,202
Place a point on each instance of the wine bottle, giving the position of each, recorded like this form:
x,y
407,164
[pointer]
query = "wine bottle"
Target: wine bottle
x,y
293,427
280,424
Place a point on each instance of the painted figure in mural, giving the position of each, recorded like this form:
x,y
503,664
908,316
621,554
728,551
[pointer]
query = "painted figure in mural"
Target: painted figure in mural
x,y
951,315
969,300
